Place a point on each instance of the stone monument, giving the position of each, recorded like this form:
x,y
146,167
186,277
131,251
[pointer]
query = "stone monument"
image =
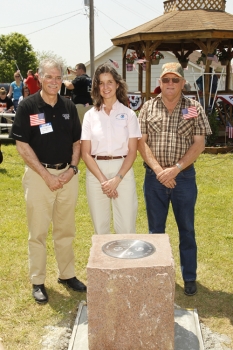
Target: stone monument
x,y
130,293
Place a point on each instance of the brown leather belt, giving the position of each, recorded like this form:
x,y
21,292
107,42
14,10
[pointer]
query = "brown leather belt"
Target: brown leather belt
x,y
58,166
107,157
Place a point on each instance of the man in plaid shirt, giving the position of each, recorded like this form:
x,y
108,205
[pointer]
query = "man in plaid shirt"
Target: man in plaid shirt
x,y
173,135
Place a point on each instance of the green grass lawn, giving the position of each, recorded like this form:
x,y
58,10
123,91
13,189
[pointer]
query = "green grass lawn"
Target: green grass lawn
x,y
23,322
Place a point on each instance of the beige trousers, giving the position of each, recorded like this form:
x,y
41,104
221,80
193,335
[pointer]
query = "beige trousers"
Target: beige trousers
x,y
124,208
82,110
44,207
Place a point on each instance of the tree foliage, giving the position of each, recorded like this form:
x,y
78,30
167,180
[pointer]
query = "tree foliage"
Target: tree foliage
x,y
50,54
15,50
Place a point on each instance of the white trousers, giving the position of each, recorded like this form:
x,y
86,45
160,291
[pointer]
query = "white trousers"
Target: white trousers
x,y
124,208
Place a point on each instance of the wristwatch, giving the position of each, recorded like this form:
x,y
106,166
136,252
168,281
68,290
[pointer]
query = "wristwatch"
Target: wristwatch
x,y
75,169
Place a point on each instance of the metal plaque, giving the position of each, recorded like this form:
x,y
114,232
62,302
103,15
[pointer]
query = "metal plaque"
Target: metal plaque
x,y
128,249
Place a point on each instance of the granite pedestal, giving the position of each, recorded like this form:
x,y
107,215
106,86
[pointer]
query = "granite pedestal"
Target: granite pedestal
x,y
131,301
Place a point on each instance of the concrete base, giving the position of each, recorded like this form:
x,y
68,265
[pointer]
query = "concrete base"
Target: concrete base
x,y
187,330
131,301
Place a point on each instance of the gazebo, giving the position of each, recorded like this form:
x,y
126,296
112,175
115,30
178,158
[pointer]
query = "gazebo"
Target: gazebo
x,y
185,26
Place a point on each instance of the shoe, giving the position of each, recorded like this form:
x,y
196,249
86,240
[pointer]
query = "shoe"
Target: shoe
x,y
74,284
190,288
39,293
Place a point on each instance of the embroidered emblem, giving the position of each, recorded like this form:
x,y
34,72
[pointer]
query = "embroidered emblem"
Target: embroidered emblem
x,y
66,116
122,116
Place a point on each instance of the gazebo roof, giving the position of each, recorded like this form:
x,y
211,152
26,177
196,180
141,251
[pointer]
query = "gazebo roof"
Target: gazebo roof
x,y
183,21
186,26
177,25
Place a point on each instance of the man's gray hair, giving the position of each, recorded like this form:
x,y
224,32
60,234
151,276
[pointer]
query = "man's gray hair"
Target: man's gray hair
x,y
50,63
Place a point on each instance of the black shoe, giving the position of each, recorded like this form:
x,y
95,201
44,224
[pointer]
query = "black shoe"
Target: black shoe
x,y
74,284
190,288
39,293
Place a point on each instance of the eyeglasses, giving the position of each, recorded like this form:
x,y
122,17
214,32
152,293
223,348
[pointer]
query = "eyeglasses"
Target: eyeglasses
x,y
50,78
17,76
167,80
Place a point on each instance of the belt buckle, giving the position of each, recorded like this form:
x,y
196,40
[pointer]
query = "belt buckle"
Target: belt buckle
x,y
57,166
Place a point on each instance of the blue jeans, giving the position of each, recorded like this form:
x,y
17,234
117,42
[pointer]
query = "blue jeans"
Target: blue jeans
x,y
183,198
15,103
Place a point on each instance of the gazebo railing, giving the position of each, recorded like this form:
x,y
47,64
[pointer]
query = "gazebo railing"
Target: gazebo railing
x,y
182,5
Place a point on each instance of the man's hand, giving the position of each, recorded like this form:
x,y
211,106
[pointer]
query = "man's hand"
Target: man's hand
x,y
167,177
53,182
65,177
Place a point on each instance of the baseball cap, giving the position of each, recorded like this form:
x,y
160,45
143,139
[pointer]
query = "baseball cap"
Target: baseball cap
x,y
172,67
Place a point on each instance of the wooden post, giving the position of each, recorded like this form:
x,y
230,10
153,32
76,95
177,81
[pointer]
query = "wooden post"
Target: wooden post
x,y
148,72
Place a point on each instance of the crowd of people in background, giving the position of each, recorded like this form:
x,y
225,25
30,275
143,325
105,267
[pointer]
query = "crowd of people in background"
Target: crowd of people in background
x,y
18,90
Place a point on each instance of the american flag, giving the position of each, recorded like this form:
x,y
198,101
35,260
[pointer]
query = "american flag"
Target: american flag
x,y
211,57
37,119
114,63
229,129
190,112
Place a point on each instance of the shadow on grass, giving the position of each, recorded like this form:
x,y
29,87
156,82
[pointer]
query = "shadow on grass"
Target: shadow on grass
x,y
56,299
3,171
209,303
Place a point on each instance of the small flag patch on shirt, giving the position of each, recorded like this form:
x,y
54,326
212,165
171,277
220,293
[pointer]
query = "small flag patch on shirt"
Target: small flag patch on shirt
x,y
37,119
189,113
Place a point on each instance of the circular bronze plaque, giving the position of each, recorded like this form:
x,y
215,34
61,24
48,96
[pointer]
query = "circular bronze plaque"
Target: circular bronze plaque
x,y
128,249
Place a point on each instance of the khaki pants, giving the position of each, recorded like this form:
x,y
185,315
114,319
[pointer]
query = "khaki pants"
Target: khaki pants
x,y
124,207
82,110
44,206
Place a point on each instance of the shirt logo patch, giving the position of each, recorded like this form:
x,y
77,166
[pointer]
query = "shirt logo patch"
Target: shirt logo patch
x,y
122,116
66,116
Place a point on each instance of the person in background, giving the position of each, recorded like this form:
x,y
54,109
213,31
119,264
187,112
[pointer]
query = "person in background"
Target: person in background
x,y
47,133
16,89
173,129
81,90
109,147
25,93
6,104
31,82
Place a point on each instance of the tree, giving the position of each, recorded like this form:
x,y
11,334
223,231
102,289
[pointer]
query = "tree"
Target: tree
x,y
50,54
15,50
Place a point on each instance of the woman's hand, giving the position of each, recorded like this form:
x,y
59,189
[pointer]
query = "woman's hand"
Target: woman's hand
x,y
109,187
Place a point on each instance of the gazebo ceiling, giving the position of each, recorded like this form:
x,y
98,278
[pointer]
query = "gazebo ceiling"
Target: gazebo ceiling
x,y
181,26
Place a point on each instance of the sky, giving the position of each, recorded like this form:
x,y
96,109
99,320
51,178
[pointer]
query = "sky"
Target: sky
x,y
63,26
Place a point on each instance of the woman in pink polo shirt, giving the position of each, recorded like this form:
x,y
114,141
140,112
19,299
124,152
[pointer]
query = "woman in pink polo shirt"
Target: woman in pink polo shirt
x,y
110,134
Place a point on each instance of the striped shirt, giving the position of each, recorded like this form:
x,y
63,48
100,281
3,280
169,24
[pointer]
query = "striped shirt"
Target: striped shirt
x,y
170,136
